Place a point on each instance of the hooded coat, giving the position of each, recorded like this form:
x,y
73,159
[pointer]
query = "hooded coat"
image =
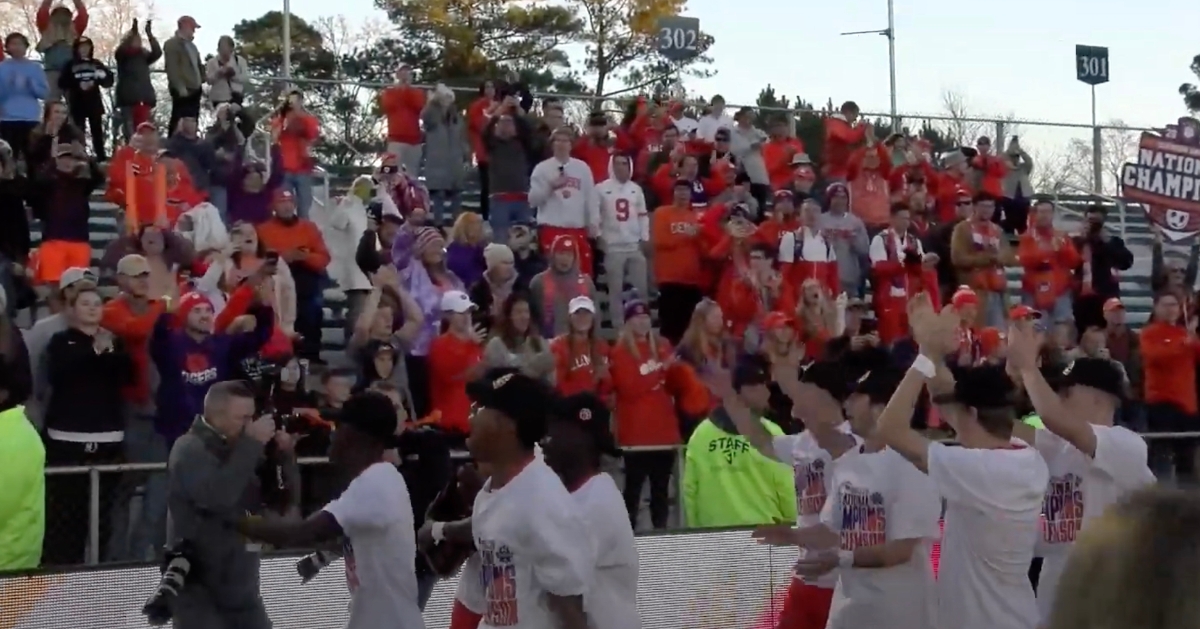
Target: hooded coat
x,y
77,72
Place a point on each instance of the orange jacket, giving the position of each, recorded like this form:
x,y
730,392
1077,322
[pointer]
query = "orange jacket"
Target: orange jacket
x,y
840,140
295,141
577,371
134,330
1169,356
477,121
870,191
402,104
777,153
181,193
303,235
772,229
744,305
449,359
994,169
1048,271
645,390
662,182
944,187
678,246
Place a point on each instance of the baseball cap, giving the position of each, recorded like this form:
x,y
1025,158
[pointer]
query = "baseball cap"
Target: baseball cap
x,y
1098,373
964,296
776,320
188,20
985,386
801,159
513,394
582,302
73,275
829,376
133,265
1022,311
722,135
591,414
456,301
1113,303
879,384
371,413
749,371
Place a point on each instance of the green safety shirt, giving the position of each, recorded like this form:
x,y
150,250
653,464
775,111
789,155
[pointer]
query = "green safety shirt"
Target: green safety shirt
x,y
23,492
726,482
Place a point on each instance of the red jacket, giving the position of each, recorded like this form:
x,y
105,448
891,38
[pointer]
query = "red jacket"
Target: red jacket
x,y
840,140
402,104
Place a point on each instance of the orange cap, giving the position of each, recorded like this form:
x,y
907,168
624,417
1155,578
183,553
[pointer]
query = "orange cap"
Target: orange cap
x,y
963,297
1023,312
1113,303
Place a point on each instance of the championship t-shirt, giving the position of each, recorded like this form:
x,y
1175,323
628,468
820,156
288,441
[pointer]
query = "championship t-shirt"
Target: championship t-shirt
x,y
875,498
1082,488
611,602
531,543
993,503
811,467
380,551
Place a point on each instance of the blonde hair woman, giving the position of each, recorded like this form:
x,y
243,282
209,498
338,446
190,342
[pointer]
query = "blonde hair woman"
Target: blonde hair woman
x,y
248,255
705,341
464,254
817,318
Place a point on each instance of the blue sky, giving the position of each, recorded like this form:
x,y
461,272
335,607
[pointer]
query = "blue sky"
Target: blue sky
x,y
1015,57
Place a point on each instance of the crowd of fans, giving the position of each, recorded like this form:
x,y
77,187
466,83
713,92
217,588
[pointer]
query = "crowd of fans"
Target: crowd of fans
x,y
704,243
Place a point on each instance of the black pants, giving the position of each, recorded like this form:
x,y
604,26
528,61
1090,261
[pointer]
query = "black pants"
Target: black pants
x,y
761,193
16,133
68,500
484,191
418,384
657,466
85,118
1088,311
310,313
675,305
1162,417
183,107
1013,214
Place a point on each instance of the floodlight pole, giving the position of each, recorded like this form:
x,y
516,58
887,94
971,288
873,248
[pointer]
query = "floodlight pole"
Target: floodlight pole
x,y
890,34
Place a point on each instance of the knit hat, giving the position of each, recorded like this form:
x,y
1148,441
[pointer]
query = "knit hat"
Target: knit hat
x,y
635,307
497,253
429,237
187,303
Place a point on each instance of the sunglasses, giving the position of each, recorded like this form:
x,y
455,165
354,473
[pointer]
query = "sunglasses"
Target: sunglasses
x,y
963,203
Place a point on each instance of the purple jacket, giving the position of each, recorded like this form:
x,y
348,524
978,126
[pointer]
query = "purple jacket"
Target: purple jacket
x,y
466,262
244,206
415,279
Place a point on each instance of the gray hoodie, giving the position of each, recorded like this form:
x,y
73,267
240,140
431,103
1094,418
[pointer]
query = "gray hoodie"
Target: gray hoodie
x,y
554,318
211,484
848,236
37,339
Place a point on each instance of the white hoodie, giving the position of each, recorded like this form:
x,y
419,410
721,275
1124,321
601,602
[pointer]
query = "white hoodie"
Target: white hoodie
x,y
342,227
569,206
208,232
623,220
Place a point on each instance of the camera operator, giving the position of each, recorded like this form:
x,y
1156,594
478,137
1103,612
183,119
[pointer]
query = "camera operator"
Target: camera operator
x,y
212,483
374,515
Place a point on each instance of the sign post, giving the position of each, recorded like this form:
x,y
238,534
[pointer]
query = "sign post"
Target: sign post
x,y
678,38
1091,67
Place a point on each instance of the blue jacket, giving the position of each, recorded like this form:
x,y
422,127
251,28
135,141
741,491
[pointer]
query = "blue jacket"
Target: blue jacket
x,y
22,85
186,369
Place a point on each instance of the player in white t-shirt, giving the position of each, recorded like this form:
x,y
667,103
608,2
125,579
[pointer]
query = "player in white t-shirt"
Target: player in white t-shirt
x,y
536,559
993,485
1092,463
817,397
578,436
373,516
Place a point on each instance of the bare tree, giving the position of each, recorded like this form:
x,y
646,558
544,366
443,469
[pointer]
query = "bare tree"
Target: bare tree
x,y
965,125
108,20
1116,148
354,121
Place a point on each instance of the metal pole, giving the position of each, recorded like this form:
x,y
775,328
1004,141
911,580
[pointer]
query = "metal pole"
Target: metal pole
x,y
1097,150
891,37
287,39
93,555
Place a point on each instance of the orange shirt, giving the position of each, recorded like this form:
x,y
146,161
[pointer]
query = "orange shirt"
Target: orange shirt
x,y
303,235
134,330
449,359
574,369
645,388
678,254
295,140
477,121
402,104
1049,260
1169,355
778,157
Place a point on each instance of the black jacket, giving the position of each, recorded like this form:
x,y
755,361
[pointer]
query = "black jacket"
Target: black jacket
x,y
368,256
78,71
133,73
16,376
86,386
67,201
1109,254
14,224
427,469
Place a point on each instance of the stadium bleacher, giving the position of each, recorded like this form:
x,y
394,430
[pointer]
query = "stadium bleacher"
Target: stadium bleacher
x,y
1135,284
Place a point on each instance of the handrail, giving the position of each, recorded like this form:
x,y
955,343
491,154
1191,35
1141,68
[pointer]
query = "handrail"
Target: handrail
x,y
1096,195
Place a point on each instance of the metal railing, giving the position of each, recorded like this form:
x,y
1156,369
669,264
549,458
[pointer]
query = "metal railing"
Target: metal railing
x,y
1117,203
95,507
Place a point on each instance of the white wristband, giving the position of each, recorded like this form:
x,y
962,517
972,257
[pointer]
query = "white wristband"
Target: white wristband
x,y
439,532
924,366
845,558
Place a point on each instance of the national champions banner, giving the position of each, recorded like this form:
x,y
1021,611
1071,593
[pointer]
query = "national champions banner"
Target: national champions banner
x,y
1166,178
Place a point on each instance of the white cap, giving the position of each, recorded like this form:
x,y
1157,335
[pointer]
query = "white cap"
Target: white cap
x,y
75,274
456,301
582,302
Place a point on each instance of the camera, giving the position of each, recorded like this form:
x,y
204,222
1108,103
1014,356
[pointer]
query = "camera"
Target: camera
x,y
177,565
312,563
